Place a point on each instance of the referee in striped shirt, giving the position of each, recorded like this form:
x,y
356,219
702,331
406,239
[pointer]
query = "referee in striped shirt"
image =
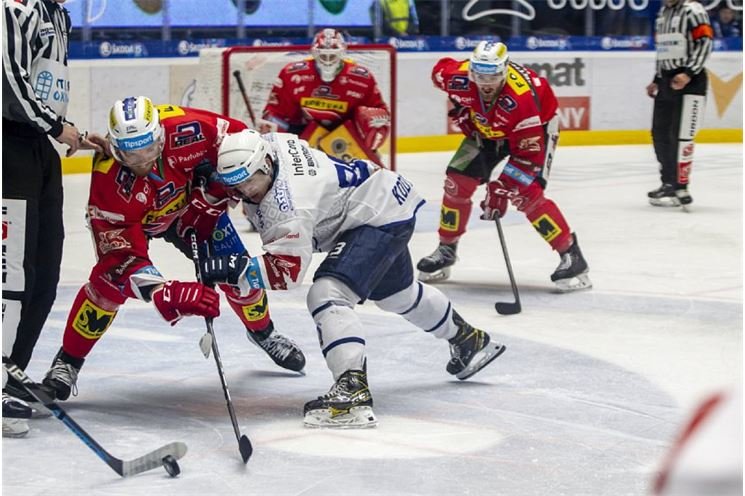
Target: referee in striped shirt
x,y
36,89
683,37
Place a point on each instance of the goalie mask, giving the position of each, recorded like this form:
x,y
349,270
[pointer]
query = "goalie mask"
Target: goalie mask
x,y
487,67
135,133
240,156
328,50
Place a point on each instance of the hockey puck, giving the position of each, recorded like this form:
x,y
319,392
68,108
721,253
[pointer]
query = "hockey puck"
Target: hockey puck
x,y
171,465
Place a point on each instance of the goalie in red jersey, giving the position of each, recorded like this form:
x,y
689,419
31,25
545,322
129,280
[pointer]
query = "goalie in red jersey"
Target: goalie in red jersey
x,y
506,111
158,183
329,101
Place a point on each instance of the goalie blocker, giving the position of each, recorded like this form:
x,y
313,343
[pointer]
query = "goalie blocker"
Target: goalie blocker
x,y
358,138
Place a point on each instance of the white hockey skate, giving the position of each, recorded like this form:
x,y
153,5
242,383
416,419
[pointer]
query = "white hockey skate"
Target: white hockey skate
x,y
571,274
15,416
347,405
436,266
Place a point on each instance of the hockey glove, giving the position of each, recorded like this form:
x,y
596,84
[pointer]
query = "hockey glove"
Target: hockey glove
x,y
230,269
373,124
496,201
178,299
201,215
461,117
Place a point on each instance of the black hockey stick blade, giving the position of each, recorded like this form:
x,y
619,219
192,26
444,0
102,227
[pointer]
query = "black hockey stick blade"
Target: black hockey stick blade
x,y
506,308
244,445
123,468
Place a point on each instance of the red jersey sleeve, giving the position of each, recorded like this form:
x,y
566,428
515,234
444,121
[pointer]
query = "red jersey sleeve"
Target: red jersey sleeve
x,y
443,70
120,241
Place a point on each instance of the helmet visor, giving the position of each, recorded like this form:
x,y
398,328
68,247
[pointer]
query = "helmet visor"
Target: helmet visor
x,y
487,79
139,158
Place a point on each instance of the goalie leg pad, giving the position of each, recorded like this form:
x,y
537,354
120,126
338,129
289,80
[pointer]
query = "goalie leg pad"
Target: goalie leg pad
x,y
345,143
340,332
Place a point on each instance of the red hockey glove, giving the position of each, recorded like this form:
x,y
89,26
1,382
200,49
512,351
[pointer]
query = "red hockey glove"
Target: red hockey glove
x,y
496,201
373,124
178,299
461,116
200,214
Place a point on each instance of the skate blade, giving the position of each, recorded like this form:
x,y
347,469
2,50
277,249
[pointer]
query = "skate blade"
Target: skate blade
x,y
15,428
666,201
436,276
576,283
481,359
360,417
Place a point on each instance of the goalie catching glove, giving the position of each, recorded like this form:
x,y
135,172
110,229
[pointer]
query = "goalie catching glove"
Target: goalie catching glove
x,y
496,201
373,125
176,299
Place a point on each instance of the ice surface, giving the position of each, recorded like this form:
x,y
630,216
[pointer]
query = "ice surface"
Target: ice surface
x,y
584,401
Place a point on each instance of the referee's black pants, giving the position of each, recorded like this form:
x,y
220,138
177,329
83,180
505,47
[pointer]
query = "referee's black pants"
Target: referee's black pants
x,y
677,117
33,235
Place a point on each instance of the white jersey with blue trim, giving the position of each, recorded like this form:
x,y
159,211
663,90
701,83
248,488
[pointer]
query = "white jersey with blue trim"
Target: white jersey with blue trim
x,y
315,198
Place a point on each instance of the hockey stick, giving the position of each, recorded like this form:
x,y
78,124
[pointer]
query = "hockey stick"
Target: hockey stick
x,y
165,456
244,445
244,94
507,308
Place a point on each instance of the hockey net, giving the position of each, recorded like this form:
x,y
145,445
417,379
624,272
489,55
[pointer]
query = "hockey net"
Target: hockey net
x,y
218,89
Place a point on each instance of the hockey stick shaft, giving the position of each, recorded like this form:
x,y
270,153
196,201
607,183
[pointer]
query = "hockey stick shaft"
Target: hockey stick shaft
x,y
244,94
244,445
124,468
503,307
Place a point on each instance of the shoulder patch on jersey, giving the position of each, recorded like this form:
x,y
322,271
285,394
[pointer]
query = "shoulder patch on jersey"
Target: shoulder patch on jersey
x,y
102,163
296,66
464,66
458,83
168,111
506,103
186,133
358,70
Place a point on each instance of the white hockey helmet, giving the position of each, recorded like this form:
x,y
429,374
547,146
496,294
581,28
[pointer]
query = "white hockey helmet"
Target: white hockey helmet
x,y
241,155
135,133
328,50
488,63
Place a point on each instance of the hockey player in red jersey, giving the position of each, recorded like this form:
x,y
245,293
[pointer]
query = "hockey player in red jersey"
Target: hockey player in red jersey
x,y
506,111
327,98
158,184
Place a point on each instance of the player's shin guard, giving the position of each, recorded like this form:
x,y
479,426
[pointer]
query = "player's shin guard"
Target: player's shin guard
x,y
340,332
252,310
456,206
424,306
548,221
90,317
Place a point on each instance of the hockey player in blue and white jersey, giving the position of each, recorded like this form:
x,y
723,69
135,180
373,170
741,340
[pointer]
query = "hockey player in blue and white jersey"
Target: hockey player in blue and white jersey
x,y
303,201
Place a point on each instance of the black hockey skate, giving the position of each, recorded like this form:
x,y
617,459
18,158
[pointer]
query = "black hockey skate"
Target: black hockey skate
x,y
348,404
38,410
436,266
471,349
281,349
668,196
15,416
571,274
62,378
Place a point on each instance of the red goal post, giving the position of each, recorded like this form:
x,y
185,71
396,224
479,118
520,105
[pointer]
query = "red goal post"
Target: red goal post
x,y
218,90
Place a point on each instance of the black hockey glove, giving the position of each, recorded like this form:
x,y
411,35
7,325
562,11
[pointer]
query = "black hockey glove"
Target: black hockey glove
x,y
228,269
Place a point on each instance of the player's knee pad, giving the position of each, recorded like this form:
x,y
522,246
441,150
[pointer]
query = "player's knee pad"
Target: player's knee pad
x,y
340,334
456,206
424,306
90,317
252,309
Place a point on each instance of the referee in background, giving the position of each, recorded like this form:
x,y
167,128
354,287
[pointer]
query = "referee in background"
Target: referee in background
x,y
684,38
36,89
